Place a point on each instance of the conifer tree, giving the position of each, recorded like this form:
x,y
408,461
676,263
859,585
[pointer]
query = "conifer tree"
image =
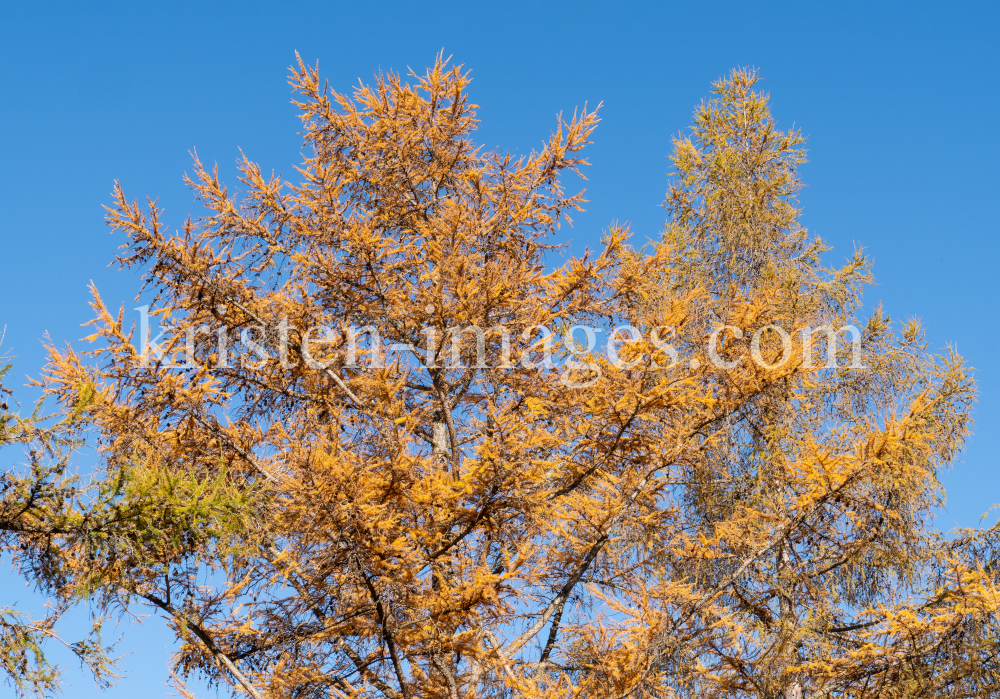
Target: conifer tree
x,y
730,504
39,528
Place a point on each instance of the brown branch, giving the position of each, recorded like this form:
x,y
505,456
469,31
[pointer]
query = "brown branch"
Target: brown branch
x,y
206,639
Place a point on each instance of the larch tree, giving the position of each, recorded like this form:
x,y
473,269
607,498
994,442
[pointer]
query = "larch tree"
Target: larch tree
x,y
376,500
44,522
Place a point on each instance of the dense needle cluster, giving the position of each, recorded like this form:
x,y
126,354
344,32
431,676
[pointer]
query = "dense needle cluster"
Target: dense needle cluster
x,y
423,530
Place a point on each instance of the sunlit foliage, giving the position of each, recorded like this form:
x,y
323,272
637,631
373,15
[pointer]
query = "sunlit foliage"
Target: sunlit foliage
x,y
412,528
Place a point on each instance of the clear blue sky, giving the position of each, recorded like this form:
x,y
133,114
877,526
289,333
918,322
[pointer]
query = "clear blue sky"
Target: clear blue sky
x,y
899,101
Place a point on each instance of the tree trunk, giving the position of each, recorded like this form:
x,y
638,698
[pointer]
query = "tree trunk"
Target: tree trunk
x,y
794,691
788,621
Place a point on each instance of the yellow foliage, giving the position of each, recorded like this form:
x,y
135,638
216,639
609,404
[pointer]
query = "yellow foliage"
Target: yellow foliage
x,y
423,530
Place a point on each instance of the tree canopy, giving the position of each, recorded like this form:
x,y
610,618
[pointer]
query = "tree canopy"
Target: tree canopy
x,y
373,500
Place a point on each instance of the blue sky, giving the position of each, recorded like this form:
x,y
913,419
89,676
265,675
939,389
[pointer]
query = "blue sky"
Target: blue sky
x,y
899,102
